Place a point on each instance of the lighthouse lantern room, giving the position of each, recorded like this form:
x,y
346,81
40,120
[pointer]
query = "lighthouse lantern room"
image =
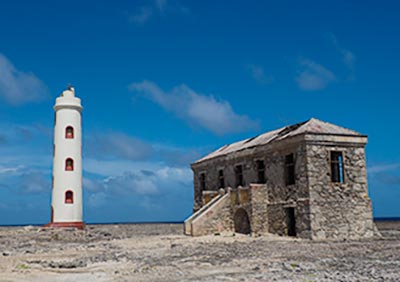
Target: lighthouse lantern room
x,y
66,205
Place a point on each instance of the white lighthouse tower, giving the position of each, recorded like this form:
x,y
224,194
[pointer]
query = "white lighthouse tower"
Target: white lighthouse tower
x,y
66,206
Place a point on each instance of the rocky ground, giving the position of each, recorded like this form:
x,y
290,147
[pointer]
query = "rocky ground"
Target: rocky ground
x,y
159,252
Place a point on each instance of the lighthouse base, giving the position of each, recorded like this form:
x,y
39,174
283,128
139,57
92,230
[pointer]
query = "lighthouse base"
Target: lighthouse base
x,y
78,225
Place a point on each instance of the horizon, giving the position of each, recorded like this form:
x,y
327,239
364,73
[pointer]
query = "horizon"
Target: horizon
x,y
165,82
156,222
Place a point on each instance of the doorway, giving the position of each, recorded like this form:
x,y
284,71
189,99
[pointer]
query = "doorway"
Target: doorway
x,y
242,222
291,222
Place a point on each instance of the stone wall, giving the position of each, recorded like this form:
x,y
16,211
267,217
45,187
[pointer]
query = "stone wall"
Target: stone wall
x,y
216,219
277,222
303,221
266,207
273,156
259,212
339,210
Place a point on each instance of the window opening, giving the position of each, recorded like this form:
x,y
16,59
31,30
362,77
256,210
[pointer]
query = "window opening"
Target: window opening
x,y
289,170
337,171
203,182
239,175
260,171
69,197
221,178
69,132
69,164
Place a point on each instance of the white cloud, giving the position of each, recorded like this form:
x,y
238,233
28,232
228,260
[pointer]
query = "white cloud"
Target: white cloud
x,y
91,185
35,182
313,76
348,58
18,87
117,144
383,168
140,182
26,146
132,182
25,179
114,167
258,74
97,199
387,174
10,170
25,163
200,110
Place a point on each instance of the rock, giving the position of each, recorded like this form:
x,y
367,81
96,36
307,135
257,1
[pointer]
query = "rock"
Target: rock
x,y
29,228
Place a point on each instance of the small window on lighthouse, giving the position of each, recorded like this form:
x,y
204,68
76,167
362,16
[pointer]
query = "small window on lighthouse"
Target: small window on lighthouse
x,y
69,197
69,132
69,164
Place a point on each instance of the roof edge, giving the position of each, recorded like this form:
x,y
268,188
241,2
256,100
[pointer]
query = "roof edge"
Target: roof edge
x,y
275,141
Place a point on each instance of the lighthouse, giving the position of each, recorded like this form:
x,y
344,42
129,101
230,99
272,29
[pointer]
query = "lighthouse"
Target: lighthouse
x,y
66,204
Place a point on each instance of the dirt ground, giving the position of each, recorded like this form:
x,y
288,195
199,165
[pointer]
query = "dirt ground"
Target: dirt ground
x,y
160,252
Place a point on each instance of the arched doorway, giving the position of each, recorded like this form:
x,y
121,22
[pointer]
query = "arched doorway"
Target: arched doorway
x,y
242,222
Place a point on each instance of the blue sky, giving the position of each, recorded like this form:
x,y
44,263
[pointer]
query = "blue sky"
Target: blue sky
x,y
165,82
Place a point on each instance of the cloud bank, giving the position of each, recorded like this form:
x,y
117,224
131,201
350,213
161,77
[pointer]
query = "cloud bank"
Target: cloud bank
x,y
348,58
118,145
18,87
205,111
313,76
385,173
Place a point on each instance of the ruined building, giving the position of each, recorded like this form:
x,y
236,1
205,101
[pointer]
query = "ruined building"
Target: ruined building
x,y
307,180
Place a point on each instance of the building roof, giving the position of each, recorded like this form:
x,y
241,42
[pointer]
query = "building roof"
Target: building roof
x,y
311,126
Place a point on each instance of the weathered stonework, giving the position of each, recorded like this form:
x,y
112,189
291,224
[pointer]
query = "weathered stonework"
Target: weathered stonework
x,y
313,204
349,201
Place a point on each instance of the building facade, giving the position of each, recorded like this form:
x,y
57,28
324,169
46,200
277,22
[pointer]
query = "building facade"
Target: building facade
x,y
66,205
307,180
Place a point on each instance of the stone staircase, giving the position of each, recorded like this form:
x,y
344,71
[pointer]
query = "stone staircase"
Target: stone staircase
x,y
211,218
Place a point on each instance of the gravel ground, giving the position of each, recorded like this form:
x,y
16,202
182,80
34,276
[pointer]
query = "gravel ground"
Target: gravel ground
x,y
159,252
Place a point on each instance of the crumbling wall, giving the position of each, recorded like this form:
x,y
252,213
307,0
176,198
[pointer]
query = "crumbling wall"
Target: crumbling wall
x,y
266,207
282,196
259,211
322,209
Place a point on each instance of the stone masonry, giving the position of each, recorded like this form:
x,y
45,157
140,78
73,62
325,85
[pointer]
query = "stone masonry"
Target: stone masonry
x,y
307,180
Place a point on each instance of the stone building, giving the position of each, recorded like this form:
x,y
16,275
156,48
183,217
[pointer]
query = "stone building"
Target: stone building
x,y
307,180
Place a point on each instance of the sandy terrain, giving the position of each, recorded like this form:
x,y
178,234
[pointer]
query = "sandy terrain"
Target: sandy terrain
x,y
161,253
